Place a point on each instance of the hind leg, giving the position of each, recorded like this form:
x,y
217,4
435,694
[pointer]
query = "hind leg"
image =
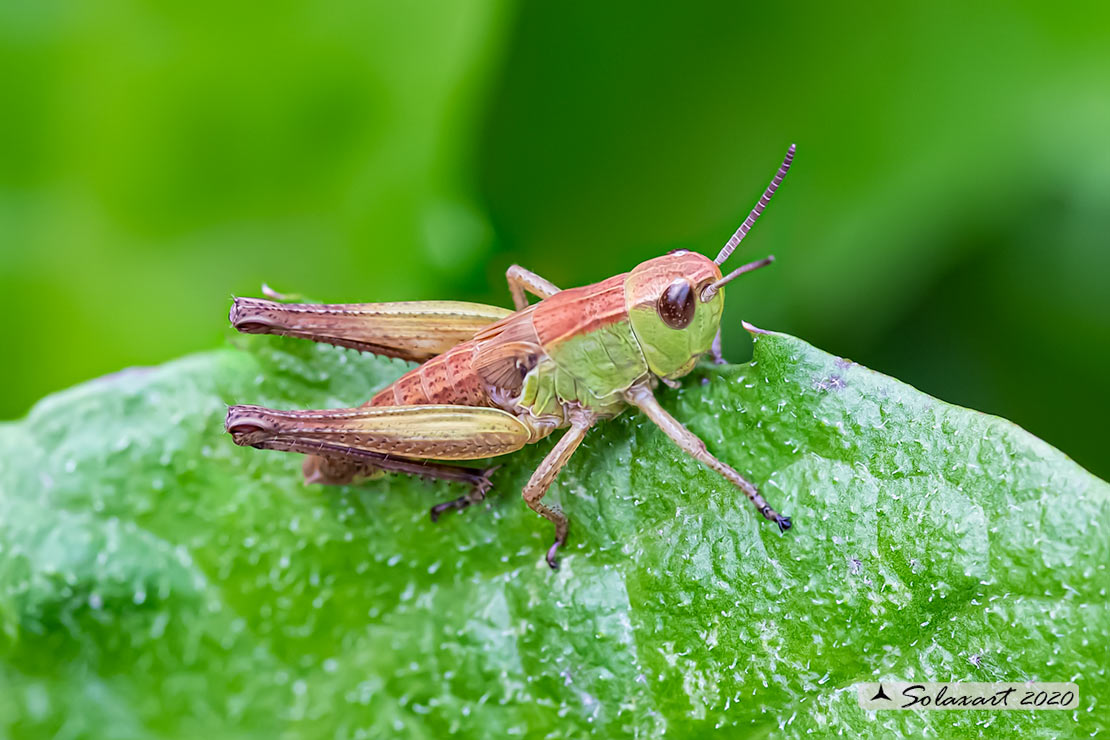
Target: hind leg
x,y
346,445
475,495
338,471
342,471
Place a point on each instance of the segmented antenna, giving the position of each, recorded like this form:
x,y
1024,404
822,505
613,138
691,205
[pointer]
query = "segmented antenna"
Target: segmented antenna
x,y
711,290
763,201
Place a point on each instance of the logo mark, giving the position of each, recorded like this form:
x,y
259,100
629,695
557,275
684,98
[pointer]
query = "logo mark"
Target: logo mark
x,y
970,695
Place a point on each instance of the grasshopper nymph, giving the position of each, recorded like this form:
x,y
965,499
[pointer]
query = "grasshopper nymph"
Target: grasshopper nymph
x,y
494,380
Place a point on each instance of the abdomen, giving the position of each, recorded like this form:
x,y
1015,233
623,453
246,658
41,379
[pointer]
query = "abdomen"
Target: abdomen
x,y
445,379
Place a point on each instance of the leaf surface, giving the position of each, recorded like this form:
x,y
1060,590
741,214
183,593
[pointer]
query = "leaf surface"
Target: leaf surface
x,y
157,581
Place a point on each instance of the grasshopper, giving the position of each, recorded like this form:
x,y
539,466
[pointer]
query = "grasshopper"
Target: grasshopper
x,y
492,380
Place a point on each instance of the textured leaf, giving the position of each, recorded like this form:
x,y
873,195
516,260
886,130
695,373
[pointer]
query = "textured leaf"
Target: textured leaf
x,y
157,581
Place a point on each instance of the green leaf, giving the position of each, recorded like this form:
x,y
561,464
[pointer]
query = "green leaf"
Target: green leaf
x,y
157,581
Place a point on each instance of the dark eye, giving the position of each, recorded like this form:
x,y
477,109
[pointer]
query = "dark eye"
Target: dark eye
x,y
677,304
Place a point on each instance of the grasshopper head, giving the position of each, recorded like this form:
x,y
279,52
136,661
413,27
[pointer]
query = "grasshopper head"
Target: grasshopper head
x,y
675,301
671,321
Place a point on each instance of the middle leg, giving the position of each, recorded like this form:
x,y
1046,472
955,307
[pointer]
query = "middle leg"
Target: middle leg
x,y
544,476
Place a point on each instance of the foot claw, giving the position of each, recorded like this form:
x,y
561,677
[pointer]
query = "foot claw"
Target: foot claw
x,y
552,561
783,522
438,509
481,487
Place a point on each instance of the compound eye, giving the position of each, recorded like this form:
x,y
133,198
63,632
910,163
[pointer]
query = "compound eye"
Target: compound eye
x,y
677,304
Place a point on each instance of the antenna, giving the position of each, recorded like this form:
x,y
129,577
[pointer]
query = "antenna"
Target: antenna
x,y
711,290
763,201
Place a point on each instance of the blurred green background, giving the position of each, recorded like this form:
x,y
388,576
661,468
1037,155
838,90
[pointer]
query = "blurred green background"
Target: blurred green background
x,y
947,220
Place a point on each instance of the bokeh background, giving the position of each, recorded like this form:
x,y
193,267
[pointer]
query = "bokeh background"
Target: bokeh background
x,y
947,220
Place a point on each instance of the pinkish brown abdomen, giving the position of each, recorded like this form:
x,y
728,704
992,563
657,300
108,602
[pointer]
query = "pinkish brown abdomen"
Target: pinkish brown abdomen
x,y
444,379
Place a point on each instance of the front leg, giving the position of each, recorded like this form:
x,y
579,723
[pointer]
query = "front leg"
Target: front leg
x,y
544,476
715,350
641,397
523,281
